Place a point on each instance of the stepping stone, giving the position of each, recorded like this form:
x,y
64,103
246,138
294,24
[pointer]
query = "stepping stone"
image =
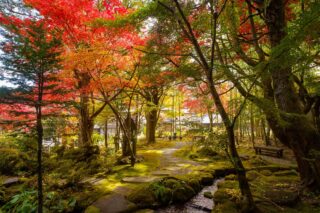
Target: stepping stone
x,y
113,203
161,173
173,168
122,190
11,181
140,179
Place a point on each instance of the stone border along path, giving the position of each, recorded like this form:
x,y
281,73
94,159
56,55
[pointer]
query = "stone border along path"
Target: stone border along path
x,y
169,165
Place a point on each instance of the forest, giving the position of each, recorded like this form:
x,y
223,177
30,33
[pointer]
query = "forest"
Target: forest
x,y
160,106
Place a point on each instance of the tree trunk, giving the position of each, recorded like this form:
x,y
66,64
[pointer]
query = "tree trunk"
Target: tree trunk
x,y
39,156
299,131
117,137
252,128
106,134
86,124
151,126
249,205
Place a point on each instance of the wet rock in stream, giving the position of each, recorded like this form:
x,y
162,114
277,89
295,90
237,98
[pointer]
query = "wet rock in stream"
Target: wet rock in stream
x,y
197,204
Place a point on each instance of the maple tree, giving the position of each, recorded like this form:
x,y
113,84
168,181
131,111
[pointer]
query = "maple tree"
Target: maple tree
x,y
84,42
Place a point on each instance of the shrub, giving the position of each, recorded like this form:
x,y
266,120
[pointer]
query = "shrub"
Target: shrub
x,y
12,161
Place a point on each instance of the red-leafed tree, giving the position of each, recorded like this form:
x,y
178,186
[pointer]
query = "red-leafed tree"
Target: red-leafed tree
x,y
75,20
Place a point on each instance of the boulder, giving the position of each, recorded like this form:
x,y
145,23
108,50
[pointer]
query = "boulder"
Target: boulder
x,y
11,181
283,197
206,179
208,195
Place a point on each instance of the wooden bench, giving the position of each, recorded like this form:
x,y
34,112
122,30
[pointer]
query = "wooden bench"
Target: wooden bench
x,y
269,150
197,138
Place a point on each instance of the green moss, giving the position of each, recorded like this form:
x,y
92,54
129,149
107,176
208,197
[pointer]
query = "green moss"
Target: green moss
x,y
252,175
226,207
266,172
92,209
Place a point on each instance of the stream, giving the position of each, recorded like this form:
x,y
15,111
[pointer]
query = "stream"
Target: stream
x,y
197,204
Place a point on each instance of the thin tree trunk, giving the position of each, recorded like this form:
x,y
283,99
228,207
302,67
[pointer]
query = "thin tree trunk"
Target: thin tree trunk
x,y
106,134
252,125
39,154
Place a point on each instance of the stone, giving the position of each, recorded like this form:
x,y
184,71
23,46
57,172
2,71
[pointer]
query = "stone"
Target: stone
x,y
161,173
220,196
286,173
182,194
208,195
112,204
11,181
140,179
226,207
206,179
143,198
231,177
244,157
266,172
145,211
252,175
92,209
224,172
283,197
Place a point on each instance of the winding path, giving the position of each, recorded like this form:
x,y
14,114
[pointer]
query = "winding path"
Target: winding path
x,y
169,164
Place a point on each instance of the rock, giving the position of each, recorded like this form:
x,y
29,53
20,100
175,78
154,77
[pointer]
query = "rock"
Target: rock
x,y
244,157
206,179
161,173
144,198
286,173
11,181
224,172
283,197
220,196
252,175
112,203
126,160
195,184
266,172
145,211
226,207
182,194
231,177
92,209
208,195
140,179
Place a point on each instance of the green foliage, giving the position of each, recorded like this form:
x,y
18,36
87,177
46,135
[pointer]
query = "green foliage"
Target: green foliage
x,y
26,201
161,193
12,161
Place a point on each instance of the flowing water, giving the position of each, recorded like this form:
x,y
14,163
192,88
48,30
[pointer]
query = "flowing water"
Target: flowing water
x,y
197,204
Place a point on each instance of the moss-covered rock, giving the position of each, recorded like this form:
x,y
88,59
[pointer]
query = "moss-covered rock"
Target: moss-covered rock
x,y
231,177
221,196
208,195
266,172
206,179
228,184
144,197
92,209
252,175
283,197
286,173
182,194
226,207
195,184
